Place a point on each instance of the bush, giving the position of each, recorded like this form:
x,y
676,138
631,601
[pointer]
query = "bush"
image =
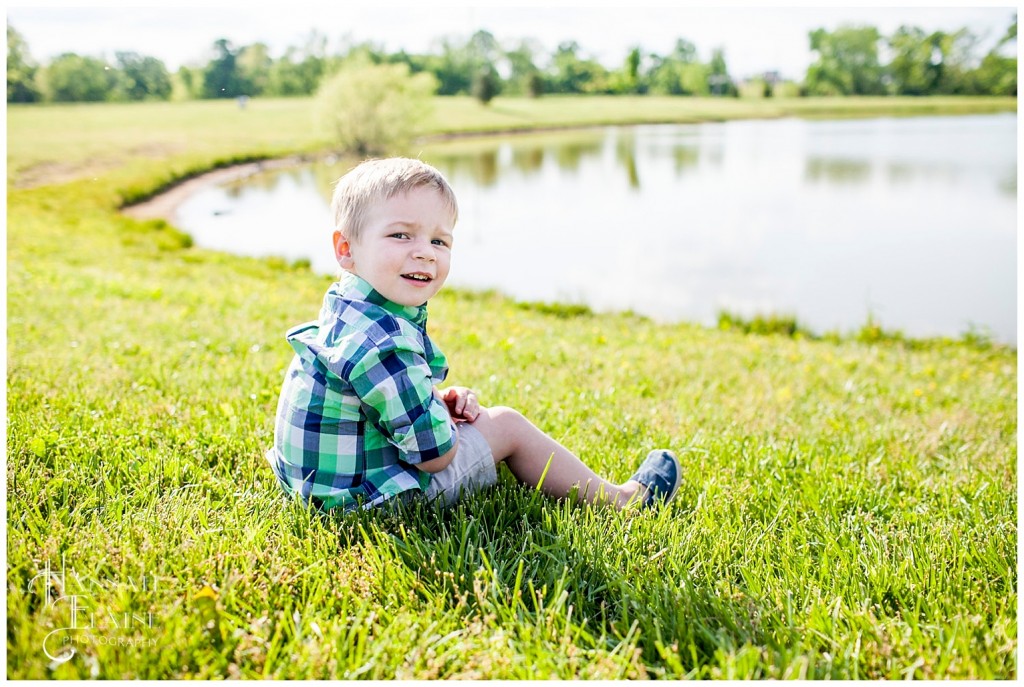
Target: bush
x,y
786,325
371,109
534,85
485,86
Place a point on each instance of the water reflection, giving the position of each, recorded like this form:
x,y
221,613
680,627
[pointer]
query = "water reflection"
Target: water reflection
x,y
685,157
909,173
528,160
484,162
570,156
625,154
837,170
912,222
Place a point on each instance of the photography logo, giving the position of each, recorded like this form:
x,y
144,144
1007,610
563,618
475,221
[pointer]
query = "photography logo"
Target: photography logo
x,y
70,604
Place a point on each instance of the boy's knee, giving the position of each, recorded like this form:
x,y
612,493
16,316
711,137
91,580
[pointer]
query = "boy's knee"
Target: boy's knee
x,y
506,417
502,427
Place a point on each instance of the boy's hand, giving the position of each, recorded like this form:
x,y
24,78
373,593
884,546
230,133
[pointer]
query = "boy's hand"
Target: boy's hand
x,y
462,403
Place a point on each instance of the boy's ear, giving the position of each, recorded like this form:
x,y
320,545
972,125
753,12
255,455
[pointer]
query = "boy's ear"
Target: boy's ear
x,y
343,250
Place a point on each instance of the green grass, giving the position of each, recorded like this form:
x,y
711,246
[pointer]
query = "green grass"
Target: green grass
x,y
464,114
849,510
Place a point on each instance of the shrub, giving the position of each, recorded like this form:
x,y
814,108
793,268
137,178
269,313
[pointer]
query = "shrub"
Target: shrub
x,y
371,109
485,86
785,325
534,85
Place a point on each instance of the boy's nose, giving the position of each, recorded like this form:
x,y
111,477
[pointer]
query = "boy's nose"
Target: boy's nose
x,y
423,252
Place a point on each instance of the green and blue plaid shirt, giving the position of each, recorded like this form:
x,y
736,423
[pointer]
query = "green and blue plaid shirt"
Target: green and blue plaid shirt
x,y
357,410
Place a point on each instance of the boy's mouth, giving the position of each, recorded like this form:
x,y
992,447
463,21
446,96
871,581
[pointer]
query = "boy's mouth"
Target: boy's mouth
x,y
418,277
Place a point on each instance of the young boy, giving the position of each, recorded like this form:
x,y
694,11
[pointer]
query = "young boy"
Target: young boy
x,y
360,420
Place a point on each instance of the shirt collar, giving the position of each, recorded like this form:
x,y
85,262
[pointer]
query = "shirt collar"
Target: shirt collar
x,y
354,287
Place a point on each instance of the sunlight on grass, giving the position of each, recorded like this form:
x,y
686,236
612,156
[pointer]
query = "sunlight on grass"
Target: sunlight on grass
x,y
849,508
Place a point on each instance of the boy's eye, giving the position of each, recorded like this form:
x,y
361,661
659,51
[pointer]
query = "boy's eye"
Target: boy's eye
x,y
440,242
400,235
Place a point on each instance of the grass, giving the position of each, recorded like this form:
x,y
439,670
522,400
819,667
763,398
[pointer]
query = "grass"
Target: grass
x,y
849,510
464,114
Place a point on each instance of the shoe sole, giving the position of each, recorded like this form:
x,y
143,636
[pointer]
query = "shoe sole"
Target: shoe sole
x,y
654,500
679,477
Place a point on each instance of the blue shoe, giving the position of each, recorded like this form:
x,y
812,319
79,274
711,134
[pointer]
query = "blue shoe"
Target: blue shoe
x,y
662,474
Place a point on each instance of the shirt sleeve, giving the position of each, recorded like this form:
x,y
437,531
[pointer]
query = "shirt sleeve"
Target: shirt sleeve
x,y
396,389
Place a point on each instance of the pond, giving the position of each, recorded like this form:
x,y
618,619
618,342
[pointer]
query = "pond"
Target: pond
x,y
910,222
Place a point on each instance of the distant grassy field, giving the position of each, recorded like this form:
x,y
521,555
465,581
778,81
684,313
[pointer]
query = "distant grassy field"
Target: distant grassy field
x,y
849,509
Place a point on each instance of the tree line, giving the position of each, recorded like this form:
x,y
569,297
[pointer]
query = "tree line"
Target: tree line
x,y
847,61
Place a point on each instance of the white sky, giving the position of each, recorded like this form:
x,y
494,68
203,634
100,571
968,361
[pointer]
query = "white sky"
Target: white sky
x,y
756,37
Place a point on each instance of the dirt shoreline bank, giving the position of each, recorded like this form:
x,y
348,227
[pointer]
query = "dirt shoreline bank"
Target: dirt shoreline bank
x,y
165,205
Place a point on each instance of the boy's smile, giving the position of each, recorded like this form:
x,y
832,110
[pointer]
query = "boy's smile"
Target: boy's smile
x,y
404,250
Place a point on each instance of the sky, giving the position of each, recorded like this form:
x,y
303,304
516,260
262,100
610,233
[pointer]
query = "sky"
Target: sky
x,y
756,37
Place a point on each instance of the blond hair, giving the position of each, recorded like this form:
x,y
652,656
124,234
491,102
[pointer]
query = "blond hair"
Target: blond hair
x,y
376,181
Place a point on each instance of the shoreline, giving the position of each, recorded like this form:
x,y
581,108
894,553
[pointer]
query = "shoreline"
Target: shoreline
x,y
164,205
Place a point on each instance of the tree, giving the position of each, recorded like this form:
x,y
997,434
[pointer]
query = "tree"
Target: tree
x,y
21,70
572,74
684,52
956,59
373,108
143,78
483,54
485,85
286,77
679,73
1011,34
628,79
187,83
74,78
932,63
524,76
719,81
912,68
997,73
453,68
483,49
847,62
254,63
302,68
535,85
221,78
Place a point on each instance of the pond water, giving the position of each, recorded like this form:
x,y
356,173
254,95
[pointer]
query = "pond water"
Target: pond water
x,y
911,222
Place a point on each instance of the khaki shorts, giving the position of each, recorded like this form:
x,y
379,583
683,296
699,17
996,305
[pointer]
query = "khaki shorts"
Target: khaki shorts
x,y
471,470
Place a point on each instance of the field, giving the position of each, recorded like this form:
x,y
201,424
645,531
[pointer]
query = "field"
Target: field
x,y
849,508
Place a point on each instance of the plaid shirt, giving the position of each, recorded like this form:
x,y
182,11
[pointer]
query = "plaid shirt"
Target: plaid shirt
x,y
357,410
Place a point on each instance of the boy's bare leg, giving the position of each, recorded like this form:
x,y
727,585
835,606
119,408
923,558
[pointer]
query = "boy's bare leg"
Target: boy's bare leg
x,y
526,450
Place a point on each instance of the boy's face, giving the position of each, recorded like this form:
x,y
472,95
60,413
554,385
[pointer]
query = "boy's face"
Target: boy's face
x,y
404,250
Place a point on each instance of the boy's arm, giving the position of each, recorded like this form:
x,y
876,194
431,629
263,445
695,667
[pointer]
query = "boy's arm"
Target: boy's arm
x,y
463,407
448,397
395,388
441,462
